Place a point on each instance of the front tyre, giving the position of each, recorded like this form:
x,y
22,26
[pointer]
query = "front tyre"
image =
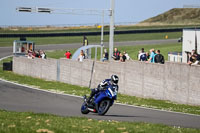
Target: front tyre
x,y
104,107
84,109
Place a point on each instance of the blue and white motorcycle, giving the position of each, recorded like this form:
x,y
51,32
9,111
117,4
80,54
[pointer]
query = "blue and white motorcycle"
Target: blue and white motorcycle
x,y
101,102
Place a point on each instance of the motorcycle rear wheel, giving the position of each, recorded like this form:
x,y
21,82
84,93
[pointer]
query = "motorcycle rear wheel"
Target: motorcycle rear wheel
x,y
104,107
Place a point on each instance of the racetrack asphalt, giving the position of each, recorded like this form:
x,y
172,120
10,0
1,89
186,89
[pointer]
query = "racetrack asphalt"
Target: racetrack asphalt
x,y
24,99
19,98
5,51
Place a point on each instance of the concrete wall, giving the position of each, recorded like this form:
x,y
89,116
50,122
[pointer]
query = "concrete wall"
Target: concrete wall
x,y
76,73
172,81
45,69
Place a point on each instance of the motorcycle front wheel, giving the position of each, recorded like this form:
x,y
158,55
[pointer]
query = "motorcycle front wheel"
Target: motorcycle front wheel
x,y
103,107
84,109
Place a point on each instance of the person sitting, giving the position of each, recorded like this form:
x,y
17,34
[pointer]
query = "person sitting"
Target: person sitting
x,y
127,56
30,54
197,56
148,56
152,56
81,56
122,57
105,57
43,55
116,54
193,60
159,58
113,81
142,55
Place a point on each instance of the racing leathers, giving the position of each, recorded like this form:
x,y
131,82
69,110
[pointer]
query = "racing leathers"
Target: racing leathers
x,y
102,86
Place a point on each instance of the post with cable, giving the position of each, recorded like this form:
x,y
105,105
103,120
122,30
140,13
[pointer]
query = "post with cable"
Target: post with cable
x,y
111,37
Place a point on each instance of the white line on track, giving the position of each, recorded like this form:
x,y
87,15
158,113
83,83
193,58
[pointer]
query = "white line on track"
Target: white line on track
x,y
49,91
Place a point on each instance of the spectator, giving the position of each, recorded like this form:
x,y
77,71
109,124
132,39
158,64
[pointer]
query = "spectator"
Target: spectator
x,y
122,57
193,61
34,54
142,55
159,58
116,54
197,56
139,52
148,56
23,49
105,55
30,54
152,55
37,54
81,56
43,55
68,54
127,56
85,41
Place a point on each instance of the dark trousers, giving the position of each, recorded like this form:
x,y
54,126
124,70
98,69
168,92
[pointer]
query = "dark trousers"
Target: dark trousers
x,y
93,92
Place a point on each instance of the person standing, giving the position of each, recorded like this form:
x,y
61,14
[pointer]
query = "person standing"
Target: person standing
x,y
159,58
68,54
85,41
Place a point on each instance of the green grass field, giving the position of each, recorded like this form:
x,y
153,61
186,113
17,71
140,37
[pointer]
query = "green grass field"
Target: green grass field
x,y
93,39
53,29
131,50
13,122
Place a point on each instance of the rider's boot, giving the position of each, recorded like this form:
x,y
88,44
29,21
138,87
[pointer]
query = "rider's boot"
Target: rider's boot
x,y
90,97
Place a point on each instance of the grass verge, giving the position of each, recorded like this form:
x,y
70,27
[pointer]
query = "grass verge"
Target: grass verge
x,y
92,39
131,50
14,122
80,91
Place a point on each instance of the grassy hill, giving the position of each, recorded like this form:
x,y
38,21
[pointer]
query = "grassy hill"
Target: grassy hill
x,y
176,16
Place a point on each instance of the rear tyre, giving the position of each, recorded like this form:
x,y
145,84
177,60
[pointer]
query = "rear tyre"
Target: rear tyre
x,y
84,109
103,107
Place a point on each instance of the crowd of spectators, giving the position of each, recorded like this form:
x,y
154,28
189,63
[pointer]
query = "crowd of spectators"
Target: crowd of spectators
x,y
154,57
36,54
120,56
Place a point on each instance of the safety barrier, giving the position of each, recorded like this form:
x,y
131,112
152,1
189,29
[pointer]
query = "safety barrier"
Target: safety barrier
x,y
175,82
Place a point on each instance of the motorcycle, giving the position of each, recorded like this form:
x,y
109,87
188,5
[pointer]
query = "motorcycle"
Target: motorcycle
x,y
101,102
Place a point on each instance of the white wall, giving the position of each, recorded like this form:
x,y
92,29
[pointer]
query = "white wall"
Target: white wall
x,y
189,42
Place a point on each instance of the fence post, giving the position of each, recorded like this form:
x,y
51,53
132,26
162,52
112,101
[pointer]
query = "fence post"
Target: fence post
x,y
92,71
58,70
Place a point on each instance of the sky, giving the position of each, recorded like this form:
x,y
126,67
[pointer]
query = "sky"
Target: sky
x,y
126,11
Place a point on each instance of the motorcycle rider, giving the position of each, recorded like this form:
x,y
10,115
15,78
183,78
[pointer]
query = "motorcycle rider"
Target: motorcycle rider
x,y
113,81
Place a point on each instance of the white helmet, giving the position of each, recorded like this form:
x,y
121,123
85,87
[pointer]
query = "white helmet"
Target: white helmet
x,y
115,79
